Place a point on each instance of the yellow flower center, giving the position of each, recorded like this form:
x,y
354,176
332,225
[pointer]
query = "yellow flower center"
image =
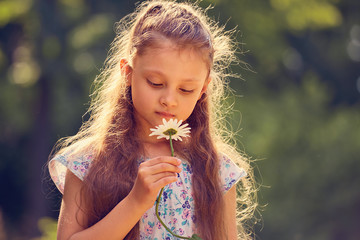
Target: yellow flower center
x,y
170,131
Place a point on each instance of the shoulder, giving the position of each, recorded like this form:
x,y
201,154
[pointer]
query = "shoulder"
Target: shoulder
x,y
78,163
230,173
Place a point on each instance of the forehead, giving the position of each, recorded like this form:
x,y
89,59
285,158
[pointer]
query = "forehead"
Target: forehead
x,y
184,50
172,61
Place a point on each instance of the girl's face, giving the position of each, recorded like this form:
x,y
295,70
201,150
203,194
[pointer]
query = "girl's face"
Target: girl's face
x,y
166,82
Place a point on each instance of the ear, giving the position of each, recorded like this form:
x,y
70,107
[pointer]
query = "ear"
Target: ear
x,y
206,84
126,71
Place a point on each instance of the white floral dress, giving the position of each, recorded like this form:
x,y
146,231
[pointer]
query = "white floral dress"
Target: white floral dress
x,y
176,207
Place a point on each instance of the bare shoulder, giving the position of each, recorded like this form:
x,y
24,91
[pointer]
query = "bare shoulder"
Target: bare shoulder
x,y
72,188
230,212
71,218
230,197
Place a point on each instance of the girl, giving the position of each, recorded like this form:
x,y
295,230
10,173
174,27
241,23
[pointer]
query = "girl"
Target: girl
x,y
167,61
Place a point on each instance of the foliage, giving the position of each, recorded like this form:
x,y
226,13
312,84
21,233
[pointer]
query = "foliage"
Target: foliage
x,y
48,227
308,159
299,105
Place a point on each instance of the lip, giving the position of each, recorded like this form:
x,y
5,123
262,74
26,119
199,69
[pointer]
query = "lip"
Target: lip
x,y
165,114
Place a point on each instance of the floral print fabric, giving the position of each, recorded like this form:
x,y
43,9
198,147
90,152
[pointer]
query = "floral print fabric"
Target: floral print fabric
x,y
176,206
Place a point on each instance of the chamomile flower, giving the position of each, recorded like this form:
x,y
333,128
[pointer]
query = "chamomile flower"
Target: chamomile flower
x,y
170,130
172,127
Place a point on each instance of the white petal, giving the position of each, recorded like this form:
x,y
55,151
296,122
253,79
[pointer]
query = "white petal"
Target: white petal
x,y
181,130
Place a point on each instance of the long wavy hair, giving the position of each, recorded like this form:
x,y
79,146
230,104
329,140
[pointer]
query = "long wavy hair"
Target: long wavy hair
x,y
110,131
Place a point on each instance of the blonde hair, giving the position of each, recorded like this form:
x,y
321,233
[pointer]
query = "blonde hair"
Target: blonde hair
x,y
134,33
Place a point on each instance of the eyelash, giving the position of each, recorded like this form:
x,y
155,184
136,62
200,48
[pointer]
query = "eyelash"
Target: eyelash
x,y
158,85
186,91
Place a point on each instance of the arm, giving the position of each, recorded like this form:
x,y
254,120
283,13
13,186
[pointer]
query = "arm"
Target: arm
x,y
152,176
230,213
125,214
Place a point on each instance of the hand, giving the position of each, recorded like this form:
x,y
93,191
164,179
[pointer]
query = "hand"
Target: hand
x,y
153,175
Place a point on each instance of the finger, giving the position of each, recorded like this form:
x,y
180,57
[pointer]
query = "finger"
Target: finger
x,y
164,179
163,159
163,167
157,168
158,176
153,173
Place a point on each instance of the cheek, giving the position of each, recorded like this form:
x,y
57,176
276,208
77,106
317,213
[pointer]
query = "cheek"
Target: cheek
x,y
137,88
142,96
189,105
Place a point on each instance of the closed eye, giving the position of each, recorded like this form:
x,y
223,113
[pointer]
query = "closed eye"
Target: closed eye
x,y
156,85
186,91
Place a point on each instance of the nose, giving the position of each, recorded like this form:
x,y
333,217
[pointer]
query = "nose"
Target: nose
x,y
168,99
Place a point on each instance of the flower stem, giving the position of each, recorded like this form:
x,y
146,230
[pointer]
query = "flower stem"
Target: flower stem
x,y
171,146
159,198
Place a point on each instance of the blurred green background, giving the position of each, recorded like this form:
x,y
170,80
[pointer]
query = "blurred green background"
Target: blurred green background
x,y
297,108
